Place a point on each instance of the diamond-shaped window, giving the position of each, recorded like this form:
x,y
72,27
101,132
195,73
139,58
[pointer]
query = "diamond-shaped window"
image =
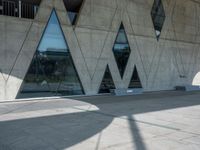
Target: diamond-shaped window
x,y
158,17
73,8
121,50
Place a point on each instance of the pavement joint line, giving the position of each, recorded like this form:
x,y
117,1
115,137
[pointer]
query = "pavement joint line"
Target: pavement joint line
x,y
111,115
130,119
188,137
161,135
10,111
196,134
107,114
165,93
50,98
114,116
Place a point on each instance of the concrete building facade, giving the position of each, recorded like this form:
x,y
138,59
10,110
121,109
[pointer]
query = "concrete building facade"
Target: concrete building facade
x,y
162,64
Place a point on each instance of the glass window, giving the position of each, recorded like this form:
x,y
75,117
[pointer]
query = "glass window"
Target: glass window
x,y
107,82
72,17
158,17
53,39
9,8
29,8
121,50
135,80
73,8
52,71
19,8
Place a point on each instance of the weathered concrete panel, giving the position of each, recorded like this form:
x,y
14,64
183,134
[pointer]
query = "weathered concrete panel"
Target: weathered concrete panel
x,y
173,60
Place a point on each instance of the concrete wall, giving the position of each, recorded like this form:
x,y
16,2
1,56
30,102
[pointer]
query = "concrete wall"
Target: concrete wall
x,y
159,64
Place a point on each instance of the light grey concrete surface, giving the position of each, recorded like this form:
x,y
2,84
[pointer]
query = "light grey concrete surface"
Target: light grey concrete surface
x,y
153,121
159,64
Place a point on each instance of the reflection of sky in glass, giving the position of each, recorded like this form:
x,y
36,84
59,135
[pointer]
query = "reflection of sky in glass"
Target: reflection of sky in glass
x,y
53,39
121,38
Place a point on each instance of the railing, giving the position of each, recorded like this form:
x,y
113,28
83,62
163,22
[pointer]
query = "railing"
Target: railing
x,y
18,8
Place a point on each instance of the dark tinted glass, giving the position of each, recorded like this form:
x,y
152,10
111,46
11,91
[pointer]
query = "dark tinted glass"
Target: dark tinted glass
x,y
158,17
107,82
52,71
73,8
121,50
72,17
19,8
135,80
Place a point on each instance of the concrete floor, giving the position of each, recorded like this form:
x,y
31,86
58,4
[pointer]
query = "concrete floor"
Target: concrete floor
x,y
154,121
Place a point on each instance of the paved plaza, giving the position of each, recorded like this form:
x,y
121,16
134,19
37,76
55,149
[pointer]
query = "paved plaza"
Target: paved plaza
x,y
152,121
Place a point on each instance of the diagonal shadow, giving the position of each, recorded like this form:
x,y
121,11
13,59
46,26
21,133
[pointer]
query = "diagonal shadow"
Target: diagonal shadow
x,y
63,131
136,136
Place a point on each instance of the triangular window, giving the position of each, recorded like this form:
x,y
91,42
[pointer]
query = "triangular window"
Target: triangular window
x,y
107,83
135,80
52,71
121,50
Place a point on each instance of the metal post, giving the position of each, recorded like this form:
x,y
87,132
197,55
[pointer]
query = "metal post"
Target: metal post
x,y
35,10
20,9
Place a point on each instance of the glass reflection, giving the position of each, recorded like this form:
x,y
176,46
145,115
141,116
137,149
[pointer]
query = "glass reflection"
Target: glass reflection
x,y
121,50
52,70
107,82
73,8
135,80
158,17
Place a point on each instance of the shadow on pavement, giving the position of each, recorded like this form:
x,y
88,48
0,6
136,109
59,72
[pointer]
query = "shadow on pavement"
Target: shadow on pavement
x,y
63,131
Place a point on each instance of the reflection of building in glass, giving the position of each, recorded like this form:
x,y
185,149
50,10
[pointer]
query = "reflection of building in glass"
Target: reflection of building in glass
x,y
48,52
121,50
107,83
158,16
52,69
135,80
19,8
